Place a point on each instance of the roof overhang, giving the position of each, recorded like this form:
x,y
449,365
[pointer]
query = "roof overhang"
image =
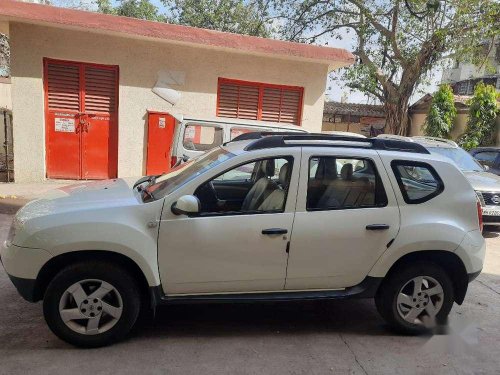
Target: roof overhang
x,y
29,13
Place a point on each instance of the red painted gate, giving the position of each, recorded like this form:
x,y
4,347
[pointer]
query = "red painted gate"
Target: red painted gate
x,y
81,113
160,135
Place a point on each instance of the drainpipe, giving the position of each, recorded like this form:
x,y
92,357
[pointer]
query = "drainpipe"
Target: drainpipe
x,y
6,145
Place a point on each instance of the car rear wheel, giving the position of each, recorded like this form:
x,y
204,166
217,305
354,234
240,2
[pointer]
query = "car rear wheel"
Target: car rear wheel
x,y
92,304
416,298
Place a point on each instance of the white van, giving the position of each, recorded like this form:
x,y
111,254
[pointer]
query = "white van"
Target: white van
x,y
194,136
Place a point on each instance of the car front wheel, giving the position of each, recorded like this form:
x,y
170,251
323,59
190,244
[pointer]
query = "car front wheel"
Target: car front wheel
x,y
91,304
416,297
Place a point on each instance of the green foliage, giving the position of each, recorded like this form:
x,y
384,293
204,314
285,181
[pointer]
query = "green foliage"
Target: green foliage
x,y
483,110
235,16
442,113
142,9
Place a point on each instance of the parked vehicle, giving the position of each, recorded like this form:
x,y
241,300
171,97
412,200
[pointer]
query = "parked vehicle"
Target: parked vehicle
x,y
275,218
195,136
488,157
486,185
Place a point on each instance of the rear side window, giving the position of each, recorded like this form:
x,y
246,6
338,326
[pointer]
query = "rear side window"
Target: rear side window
x,y
343,183
419,182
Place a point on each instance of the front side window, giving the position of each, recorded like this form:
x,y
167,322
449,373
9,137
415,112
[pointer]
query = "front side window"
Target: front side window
x,y
255,187
202,137
419,182
343,183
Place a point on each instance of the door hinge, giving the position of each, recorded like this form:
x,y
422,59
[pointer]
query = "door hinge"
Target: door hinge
x,y
288,247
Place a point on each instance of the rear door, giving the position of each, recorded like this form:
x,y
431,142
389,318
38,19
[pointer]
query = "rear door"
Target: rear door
x,y
346,216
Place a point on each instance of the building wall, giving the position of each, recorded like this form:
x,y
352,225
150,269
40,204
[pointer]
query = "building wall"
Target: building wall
x,y
139,62
352,127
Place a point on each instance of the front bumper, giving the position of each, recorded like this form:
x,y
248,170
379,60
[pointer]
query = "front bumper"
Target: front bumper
x,y
22,266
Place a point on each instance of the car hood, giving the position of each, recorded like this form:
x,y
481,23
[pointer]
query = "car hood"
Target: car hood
x,y
484,181
82,196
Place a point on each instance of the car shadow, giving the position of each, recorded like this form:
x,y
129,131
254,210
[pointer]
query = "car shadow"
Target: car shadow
x,y
491,231
342,316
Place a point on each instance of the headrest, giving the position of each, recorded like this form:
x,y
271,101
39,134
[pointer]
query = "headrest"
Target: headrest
x,y
346,171
327,169
284,175
267,168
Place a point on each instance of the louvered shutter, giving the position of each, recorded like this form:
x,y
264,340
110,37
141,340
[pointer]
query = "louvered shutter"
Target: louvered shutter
x,y
281,105
100,90
259,101
63,87
238,101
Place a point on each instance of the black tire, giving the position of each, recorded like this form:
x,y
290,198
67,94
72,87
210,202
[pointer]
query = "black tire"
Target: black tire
x,y
113,274
386,297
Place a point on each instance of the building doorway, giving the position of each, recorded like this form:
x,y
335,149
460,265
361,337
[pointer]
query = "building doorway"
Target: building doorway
x,y
81,119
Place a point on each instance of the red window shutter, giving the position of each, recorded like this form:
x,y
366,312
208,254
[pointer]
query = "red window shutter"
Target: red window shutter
x,y
238,101
100,90
63,87
259,101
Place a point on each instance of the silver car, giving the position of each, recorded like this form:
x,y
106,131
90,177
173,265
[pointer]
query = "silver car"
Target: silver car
x,y
486,185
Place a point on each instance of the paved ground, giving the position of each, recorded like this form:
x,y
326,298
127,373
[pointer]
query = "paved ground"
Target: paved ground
x,y
307,338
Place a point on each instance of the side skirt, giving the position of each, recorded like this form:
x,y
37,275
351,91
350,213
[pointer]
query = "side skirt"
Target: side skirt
x,y
366,289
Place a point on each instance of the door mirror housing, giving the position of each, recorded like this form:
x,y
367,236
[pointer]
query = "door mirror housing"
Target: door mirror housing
x,y
187,205
486,168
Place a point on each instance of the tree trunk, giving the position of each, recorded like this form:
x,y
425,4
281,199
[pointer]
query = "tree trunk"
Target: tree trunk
x,y
396,114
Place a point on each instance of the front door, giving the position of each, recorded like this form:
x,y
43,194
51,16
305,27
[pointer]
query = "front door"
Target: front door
x,y
239,241
81,120
346,216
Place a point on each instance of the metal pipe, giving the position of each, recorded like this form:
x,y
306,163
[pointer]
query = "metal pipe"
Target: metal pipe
x,y
6,144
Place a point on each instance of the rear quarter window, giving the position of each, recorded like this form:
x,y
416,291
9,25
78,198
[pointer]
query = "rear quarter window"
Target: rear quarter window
x,y
418,181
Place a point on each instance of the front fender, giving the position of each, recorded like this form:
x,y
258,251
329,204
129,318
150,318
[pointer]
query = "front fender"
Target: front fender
x,y
122,230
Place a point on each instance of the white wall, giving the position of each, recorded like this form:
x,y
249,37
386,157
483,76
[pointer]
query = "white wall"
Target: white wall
x,y
139,63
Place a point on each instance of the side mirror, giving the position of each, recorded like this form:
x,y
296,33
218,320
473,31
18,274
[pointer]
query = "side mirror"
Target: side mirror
x,y
486,167
186,205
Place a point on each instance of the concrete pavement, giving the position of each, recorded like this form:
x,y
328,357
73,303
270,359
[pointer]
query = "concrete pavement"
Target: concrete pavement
x,y
340,337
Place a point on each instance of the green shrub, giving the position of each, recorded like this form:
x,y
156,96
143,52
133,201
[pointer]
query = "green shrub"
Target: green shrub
x,y
483,110
442,113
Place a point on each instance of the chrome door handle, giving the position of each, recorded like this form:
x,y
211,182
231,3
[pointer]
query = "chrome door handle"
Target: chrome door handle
x,y
377,227
271,231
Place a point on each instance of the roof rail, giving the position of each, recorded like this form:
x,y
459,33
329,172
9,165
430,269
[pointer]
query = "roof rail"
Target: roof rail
x,y
395,136
258,135
272,140
436,139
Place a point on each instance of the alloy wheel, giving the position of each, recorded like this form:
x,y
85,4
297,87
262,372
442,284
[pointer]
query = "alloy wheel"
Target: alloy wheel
x,y
91,307
420,300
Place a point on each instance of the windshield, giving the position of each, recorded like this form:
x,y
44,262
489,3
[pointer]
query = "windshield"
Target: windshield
x,y
462,159
186,172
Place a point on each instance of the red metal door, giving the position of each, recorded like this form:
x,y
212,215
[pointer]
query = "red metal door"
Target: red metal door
x,y
160,135
81,120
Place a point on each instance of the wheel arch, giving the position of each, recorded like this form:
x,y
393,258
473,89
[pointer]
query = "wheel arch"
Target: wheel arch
x,y
448,260
57,263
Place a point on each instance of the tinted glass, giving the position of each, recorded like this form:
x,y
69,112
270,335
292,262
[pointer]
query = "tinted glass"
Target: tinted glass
x,y
418,181
487,158
341,183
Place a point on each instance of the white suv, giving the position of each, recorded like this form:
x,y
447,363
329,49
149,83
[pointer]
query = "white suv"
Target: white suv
x,y
273,217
